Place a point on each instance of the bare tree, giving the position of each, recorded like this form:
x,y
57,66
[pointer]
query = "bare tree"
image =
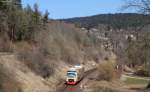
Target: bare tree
x,y
142,6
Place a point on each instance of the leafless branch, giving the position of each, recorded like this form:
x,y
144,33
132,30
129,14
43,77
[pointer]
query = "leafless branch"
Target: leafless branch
x,y
142,6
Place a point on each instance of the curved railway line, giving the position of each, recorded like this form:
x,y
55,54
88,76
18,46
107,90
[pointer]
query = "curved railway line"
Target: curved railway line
x,y
74,88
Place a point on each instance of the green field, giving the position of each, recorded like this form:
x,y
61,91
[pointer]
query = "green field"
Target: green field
x,y
130,80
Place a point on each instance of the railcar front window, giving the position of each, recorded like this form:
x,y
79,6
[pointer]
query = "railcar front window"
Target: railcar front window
x,y
71,74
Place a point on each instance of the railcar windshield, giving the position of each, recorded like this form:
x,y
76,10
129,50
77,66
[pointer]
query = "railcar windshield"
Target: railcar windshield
x,y
71,73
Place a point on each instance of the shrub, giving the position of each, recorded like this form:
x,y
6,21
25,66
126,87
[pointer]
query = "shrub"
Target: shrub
x,y
106,71
5,44
34,59
142,73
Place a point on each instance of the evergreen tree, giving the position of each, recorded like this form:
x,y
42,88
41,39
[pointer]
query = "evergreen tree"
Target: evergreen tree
x,y
2,4
36,14
18,3
45,17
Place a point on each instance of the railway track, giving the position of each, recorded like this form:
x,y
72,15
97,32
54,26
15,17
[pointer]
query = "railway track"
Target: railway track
x,y
74,88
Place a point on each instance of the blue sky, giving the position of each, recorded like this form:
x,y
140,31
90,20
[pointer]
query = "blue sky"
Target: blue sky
x,y
76,8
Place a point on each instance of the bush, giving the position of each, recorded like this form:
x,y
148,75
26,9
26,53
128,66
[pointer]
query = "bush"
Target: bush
x,y
5,44
106,72
34,59
142,73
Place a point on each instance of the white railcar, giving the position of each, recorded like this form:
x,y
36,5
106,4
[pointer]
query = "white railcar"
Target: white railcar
x,y
75,74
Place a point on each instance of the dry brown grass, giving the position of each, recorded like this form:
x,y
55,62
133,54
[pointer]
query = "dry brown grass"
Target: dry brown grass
x,y
8,82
